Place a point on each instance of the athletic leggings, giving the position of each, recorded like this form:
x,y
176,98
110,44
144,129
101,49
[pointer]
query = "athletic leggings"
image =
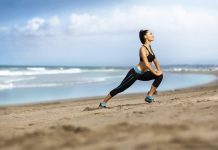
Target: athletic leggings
x,y
133,75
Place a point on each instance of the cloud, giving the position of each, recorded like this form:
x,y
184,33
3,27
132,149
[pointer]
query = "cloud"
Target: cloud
x,y
86,23
34,24
174,19
54,21
38,26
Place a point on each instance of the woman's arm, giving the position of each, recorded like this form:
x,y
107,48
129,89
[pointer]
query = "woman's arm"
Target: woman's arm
x,y
157,64
145,60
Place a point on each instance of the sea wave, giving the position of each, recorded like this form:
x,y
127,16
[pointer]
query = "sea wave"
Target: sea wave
x,y
4,86
44,71
188,69
36,68
19,79
14,83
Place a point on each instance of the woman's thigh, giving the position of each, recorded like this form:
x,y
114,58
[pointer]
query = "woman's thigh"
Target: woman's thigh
x,y
148,75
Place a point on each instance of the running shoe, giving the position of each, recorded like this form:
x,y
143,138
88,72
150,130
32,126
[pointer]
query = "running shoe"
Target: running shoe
x,y
149,99
102,105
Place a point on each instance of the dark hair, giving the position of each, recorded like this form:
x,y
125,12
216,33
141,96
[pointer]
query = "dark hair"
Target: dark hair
x,y
142,33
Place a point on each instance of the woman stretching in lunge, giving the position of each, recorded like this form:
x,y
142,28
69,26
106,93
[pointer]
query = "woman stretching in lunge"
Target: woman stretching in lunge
x,y
142,71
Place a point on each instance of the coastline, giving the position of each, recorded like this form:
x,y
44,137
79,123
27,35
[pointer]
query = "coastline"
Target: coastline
x,y
182,118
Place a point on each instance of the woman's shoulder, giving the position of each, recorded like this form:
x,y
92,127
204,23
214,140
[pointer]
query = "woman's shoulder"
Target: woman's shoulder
x,y
143,49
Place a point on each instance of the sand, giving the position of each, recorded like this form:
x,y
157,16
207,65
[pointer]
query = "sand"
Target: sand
x,y
178,119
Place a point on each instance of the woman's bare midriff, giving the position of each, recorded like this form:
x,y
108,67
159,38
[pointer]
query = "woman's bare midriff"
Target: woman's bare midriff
x,y
141,66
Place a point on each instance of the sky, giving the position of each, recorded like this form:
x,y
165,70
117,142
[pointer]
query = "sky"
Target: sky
x,y
105,33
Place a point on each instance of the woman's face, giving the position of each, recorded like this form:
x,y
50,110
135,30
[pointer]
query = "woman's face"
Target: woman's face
x,y
149,36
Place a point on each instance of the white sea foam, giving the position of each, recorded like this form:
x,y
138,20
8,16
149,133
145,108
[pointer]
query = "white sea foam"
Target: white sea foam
x,y
37,72
19,79
44,71
6,86
190,69
17,83
36,68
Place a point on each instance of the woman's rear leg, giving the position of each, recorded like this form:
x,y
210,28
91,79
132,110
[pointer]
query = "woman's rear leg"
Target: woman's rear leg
x,y
126,83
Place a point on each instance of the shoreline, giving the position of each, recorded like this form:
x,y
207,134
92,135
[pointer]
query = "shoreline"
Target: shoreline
x,y
179,119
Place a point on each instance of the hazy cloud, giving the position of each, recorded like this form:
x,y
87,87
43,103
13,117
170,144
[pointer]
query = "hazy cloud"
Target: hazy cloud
x,y
170,19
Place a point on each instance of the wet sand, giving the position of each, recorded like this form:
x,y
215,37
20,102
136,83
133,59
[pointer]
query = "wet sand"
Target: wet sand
x,y
178,119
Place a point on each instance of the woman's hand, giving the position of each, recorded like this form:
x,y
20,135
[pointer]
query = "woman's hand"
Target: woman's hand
x,y
159,72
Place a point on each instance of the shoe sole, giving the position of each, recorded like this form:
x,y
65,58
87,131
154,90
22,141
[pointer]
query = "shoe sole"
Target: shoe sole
x,y
103,107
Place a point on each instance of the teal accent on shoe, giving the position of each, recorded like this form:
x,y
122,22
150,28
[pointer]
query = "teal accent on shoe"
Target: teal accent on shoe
x,y
102,104
149,98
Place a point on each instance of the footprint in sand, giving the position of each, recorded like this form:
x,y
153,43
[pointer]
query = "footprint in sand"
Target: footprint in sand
x,y
89,109
19,128
138,112
65,118
69,127
175,98
30,124
204,100
206,107
94,108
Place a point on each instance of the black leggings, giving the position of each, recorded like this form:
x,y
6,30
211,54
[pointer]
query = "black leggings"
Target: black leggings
x,y
133,75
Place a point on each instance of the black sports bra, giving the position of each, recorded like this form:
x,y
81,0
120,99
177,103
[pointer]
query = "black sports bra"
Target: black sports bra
x,y
150,56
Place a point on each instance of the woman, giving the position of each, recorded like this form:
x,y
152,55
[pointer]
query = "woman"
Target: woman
x,y
142,71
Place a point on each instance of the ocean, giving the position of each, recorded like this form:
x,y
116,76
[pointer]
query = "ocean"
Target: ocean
x,y
33,84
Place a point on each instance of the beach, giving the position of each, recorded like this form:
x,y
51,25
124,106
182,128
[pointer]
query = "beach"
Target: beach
x,y
178,119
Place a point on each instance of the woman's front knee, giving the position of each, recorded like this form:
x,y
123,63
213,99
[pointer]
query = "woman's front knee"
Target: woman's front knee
x,y
160,78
